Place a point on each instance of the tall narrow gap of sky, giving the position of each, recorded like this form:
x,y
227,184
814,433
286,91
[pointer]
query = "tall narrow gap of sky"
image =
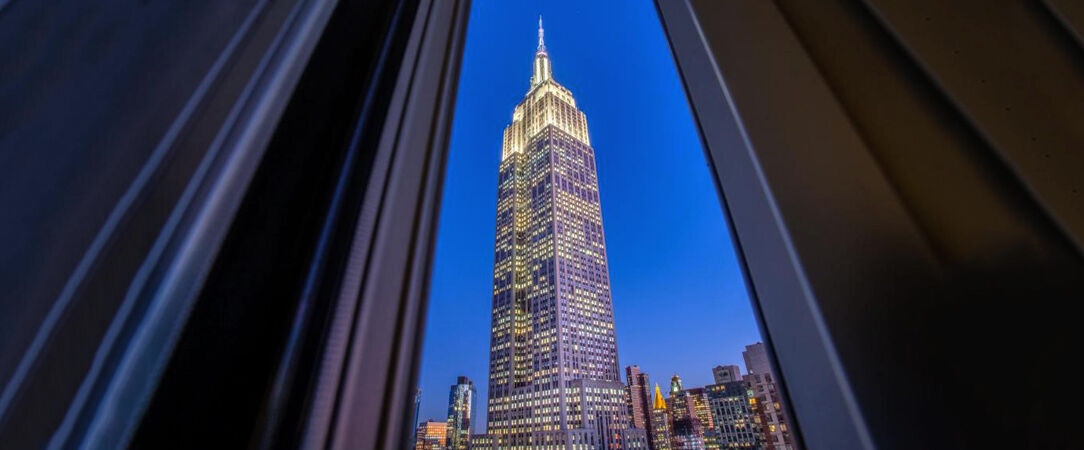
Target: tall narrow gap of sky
x,y
679,299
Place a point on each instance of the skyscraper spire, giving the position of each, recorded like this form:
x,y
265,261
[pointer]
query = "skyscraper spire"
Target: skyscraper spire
x,y
659,402
541,35
542,70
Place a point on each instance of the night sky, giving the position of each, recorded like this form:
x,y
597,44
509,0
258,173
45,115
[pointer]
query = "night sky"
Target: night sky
x,y
679,299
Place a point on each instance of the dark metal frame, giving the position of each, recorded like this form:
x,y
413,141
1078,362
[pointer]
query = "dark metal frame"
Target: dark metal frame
x,y
391,255
123,301
284,228
813,383
906,205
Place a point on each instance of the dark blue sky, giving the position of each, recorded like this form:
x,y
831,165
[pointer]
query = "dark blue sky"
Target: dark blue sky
x,y
679,300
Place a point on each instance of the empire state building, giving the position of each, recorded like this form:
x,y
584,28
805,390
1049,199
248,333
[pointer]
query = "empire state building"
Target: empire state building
x,y
553,371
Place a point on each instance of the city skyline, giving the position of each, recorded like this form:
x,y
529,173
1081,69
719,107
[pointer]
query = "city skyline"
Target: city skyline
x,y
683,201
738,409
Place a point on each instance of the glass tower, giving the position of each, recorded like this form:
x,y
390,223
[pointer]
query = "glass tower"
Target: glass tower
x,y
460,412
553,371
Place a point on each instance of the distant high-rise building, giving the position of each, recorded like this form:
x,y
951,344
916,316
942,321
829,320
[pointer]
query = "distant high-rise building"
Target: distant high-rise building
x,y
417,404
698,398
431,435
732,408
659,431
756,358
675,385
553,372
460,413
726,374
774,428
638,392
686,430
762,381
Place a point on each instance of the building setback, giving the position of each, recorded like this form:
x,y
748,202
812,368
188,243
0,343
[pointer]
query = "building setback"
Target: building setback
x,y
553,371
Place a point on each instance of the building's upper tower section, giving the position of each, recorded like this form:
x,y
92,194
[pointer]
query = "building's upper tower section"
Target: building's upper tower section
x,y
547,103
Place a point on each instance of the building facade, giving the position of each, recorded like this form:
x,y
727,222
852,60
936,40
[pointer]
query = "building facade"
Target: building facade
x,y
732,407
431,435
553,372
687,441
460,412
698,398
481,441
769,411
774,424
638,393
